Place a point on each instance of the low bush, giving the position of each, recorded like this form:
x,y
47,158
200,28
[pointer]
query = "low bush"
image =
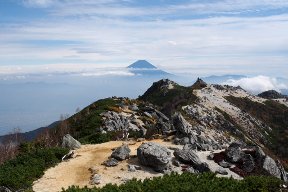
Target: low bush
x,y
187,182
30,164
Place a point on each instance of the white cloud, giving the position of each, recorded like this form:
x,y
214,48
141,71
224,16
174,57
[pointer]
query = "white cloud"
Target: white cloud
x,y
257,84
109,31
39,3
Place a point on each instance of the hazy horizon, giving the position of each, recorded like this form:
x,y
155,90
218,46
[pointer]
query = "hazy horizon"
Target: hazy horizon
x,y
57,55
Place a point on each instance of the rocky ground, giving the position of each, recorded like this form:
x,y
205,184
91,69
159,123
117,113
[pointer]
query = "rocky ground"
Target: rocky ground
x,y
77,171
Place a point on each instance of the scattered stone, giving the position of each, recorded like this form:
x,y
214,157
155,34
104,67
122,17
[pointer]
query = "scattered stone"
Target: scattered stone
x,y
96,179
94,170
70,143
248,163
111,162
121,153
221,171
68,156
154,155
271,167
131,168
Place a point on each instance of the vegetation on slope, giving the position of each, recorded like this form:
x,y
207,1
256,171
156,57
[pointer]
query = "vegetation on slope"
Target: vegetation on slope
x,y
85,125
168,99
186,182
271,113
29,165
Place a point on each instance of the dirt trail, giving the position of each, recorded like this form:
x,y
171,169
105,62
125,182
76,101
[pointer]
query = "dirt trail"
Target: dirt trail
x,y
76,171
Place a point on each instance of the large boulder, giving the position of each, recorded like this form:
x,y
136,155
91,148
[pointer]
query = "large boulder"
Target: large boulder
x,y
271,167
181,125
121,153
154,155
234,153
188,156
70,143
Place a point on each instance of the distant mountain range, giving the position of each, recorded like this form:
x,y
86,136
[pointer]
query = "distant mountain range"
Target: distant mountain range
x,y
214,79
144,68
30,135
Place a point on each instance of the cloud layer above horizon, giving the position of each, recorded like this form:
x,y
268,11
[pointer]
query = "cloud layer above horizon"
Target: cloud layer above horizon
x,y
257,84
191,36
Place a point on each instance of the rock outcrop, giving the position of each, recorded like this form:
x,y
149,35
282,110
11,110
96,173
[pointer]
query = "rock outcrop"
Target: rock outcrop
x,y
181,125
188,156
154,155
70,143
271,167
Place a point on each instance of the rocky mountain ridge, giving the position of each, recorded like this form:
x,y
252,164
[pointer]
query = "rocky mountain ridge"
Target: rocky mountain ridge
x,y
172,128
206,119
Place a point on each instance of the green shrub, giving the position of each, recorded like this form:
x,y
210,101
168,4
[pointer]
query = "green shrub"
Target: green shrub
x,y
19,173
187,182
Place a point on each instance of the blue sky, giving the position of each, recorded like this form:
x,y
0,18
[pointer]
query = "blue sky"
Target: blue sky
x,y
191,36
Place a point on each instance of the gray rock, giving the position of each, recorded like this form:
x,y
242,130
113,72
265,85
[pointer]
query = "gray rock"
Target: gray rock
x,y
161,115
191,170
193,138
68,156
224,164
121,153
184,141
260,153
202,139
176,163
248,163
271,167
210,156
70,143
282,170
188,156
234,152
221,171
96,179
148,114
181,125
131,168
154,155
111,162
4,189
133,107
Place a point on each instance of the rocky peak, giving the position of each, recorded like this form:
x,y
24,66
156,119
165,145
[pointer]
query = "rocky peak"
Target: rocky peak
x,y
199,84
271,94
